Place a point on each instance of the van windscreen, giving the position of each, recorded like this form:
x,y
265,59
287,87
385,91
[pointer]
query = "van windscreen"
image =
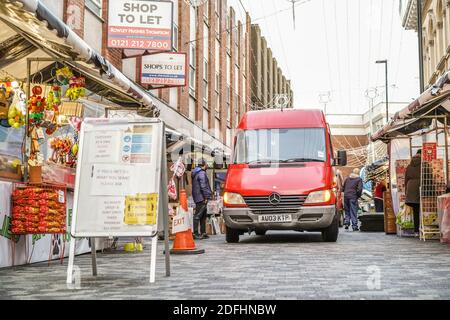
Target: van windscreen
x,y
280,146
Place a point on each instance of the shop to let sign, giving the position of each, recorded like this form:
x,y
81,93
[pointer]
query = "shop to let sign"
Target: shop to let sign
x,y
164,69
137,24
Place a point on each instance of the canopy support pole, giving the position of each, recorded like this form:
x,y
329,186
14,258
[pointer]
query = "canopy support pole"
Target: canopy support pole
x,y
446,151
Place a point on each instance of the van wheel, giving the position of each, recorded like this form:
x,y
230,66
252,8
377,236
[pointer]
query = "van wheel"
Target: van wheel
x,y
331,233
232,235
260,232
341,219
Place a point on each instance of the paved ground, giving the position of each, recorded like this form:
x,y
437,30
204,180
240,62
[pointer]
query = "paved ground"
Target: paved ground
x,y
278,266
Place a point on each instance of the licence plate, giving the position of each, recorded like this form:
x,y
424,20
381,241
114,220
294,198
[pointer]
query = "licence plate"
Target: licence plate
x,y
275,218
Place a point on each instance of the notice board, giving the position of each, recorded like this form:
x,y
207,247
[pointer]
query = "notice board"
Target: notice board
x,y
117,191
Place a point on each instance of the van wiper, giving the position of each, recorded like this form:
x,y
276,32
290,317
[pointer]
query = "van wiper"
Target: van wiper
x,y
259,161
301,160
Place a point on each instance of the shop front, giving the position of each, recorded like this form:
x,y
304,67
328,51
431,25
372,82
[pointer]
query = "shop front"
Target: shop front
x,y
418,142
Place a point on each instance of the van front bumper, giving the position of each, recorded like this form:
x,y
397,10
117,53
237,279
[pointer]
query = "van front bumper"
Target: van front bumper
x,y
306,219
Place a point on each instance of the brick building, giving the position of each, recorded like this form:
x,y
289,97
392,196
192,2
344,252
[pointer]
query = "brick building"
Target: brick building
x,y
267,79
221,68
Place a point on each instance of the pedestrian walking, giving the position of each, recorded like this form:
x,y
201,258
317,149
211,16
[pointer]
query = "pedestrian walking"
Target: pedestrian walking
x,y
201,192
353,187
378,195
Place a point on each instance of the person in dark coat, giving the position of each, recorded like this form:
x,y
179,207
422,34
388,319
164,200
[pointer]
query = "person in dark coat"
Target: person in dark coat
x,y
201,192
412,184
353,187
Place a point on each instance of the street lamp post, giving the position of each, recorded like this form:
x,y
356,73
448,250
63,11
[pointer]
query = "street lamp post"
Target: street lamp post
x,y
325,98
371,94
385,62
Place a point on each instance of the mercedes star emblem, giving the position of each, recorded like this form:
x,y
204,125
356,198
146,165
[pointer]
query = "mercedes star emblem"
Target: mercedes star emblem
x,y
274,199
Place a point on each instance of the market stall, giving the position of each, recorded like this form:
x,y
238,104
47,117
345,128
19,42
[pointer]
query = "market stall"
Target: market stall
x,y
423,125
50,80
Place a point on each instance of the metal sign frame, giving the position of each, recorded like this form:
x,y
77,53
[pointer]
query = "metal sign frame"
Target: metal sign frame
x,y
162,212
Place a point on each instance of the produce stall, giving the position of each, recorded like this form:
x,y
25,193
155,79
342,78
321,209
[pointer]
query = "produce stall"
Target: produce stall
x,y
423,125
50,80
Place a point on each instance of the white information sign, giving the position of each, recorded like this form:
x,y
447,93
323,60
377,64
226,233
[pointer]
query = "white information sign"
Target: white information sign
x,y
166,69
121,183
140,24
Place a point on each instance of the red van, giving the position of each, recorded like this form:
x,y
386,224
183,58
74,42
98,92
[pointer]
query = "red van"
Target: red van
x,y
282,175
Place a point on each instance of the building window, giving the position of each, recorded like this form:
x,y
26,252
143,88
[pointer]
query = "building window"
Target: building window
x,y
217,6
206,12
205,93
192,67
205,119
175,38
95,6
228,103
217,26
217,107
205,69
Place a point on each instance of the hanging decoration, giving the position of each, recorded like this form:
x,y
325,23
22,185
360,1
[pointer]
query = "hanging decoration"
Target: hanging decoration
x,y
54,98
64,151
36,106
63,76
76,88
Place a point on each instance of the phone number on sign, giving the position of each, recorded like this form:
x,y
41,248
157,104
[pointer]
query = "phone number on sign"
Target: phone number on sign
x,y
139,44
164,81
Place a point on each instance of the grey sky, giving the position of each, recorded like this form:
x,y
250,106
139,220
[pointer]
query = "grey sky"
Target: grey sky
x,y
359,32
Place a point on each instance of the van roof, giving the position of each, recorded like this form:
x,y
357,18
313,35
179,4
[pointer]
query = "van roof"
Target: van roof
x,y
288,118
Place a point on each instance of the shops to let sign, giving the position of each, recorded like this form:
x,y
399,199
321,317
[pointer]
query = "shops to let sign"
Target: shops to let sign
x,y
141,25
164,69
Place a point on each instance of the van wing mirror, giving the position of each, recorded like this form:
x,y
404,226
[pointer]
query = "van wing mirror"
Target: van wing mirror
x,y
341,158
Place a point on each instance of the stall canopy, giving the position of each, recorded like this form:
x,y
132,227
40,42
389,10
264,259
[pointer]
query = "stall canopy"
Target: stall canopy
x,y
28,29
433,102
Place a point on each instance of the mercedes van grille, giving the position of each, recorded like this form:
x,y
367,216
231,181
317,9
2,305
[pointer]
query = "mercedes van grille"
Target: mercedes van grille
x,y
287,204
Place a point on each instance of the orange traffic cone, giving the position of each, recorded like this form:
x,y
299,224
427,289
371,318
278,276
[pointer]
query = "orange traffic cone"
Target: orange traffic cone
x,y
184,241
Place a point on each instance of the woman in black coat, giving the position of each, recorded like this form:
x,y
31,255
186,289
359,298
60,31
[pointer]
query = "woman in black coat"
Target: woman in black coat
x,y
413,183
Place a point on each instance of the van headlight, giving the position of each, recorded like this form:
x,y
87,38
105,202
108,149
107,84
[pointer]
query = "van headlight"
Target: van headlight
x,y
232,198
322,196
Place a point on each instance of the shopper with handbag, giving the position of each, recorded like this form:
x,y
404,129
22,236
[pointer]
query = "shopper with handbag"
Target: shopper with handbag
x,y
201,192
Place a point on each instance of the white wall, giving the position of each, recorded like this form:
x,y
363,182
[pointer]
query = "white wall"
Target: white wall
x,y
93,30
129,68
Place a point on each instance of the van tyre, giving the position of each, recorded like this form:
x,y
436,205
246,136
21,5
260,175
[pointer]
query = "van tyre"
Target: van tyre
x,y
260,232
331,233
341,219
232,235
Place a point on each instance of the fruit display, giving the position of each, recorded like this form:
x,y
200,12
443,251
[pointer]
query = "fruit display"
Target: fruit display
x,y
76,88
38,210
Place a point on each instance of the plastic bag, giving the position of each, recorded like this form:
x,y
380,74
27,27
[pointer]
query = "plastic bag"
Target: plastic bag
x,y
172,190
405,217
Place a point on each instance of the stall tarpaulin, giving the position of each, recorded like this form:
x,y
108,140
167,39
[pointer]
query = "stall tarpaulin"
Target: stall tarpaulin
x,y
410,119
32,248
